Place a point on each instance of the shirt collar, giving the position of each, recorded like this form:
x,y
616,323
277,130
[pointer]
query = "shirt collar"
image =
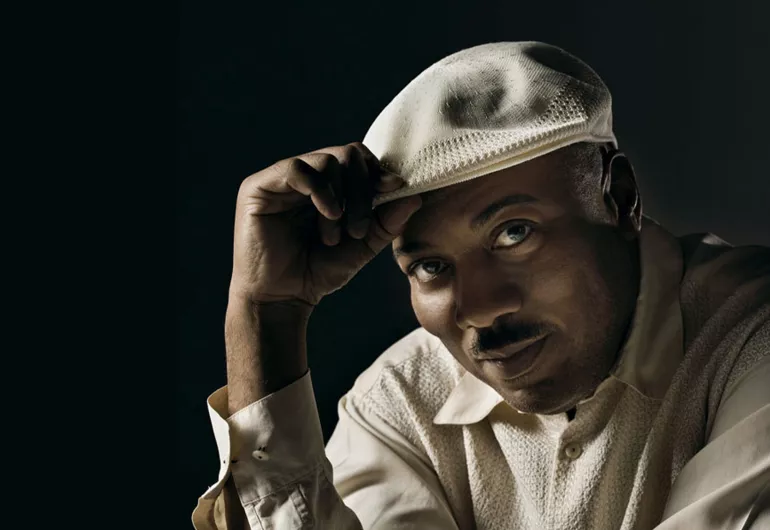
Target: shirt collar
x,y
651,353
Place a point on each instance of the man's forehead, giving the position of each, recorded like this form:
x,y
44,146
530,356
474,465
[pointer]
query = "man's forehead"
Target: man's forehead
x,y
437,196
534,183
534,175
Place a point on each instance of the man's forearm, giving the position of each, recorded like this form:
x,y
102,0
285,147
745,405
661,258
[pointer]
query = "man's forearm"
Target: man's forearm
x,y
266,349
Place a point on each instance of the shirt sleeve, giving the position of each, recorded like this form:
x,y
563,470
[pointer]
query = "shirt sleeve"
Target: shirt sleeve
x,y
726,485
368,476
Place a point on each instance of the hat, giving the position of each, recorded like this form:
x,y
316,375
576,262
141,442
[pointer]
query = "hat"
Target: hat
x,y
488,108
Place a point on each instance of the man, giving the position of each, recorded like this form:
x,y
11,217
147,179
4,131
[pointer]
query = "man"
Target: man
x,y
577,366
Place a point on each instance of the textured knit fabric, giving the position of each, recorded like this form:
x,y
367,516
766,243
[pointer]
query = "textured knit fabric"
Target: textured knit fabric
x,y
677,436
485,109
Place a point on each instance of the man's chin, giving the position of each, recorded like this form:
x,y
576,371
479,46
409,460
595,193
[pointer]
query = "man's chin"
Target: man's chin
x,y
539,398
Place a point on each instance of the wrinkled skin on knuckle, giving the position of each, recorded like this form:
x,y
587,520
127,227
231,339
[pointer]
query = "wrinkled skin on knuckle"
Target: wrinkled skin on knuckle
x,y
347,155
255,205
350,153
249,201
327,162
364,152
247,185
295,166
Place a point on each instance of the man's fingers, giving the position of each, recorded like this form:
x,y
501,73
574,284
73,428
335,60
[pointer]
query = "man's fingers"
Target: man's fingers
x,y
388,182
291,182
371,161
329,230
358,192
341,183
304,179
383,181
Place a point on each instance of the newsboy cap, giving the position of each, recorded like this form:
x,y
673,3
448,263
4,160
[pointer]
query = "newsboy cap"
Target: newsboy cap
x,y
488,108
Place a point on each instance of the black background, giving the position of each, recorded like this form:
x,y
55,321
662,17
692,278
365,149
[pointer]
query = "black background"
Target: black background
x,y
260,82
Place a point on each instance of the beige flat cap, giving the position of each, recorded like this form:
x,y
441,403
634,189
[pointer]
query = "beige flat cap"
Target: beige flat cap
x,y
488,108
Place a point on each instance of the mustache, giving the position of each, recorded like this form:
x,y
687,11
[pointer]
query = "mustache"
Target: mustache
x,y
498,337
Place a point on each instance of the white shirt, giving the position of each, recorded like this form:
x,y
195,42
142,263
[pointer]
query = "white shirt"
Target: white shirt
x,y
677,436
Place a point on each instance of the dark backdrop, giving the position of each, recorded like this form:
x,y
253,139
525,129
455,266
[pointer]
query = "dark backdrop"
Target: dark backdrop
x,y
259,82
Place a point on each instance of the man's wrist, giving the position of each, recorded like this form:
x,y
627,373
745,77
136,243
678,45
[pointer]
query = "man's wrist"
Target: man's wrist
x,y
266,348
286,312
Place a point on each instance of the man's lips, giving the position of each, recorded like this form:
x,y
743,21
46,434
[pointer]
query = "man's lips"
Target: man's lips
x,y
508,351
512,361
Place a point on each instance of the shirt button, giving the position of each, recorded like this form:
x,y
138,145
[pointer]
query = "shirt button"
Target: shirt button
x,y
573,451
261,454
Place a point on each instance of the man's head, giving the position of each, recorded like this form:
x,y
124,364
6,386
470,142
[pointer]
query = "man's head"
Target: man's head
x,y
540,256
525,247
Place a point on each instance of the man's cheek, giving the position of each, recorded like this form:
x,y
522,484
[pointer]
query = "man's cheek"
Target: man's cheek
x,y
435,314
428,319
554,286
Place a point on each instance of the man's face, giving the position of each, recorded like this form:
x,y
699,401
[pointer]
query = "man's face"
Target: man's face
x,y
524,289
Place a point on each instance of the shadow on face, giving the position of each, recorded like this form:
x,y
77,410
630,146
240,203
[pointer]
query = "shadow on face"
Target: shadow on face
x,y
527,289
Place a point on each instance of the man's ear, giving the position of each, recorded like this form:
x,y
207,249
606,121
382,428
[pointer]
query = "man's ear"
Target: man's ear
x,y
621,194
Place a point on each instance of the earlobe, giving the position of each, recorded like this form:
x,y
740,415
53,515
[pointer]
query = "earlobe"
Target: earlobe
x,y
634,227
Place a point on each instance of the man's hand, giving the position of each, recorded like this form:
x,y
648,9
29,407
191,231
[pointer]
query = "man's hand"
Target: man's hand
x,y
303,228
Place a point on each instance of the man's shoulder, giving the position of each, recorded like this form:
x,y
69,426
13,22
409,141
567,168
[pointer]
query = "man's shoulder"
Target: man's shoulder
x,y
716,272
417,368
707,254
725,299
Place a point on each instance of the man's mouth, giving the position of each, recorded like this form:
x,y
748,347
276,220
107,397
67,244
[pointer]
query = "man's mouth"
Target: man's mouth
x,y
506,352
513,360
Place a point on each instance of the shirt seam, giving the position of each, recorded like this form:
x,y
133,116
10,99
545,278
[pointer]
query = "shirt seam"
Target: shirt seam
x,y
291,483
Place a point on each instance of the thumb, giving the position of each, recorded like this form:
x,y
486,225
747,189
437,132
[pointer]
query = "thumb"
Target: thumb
x,y
389,221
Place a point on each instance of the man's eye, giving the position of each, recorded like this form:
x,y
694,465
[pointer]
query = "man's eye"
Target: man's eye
x,y
425,271
512,235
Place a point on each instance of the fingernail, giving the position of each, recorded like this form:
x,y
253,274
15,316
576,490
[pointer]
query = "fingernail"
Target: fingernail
x,y
416,203
336,211
392,177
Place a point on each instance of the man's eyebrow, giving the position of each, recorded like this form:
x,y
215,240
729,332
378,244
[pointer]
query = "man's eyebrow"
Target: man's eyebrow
x,y
489,212
409,247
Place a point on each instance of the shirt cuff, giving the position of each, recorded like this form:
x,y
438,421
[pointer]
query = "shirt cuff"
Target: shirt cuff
x,y
274,442
217,407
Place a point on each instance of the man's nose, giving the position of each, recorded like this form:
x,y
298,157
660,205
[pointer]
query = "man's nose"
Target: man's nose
x,y
482,294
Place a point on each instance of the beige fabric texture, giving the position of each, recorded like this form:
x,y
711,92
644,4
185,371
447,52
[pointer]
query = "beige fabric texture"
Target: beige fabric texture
x,y
677,437
488,108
